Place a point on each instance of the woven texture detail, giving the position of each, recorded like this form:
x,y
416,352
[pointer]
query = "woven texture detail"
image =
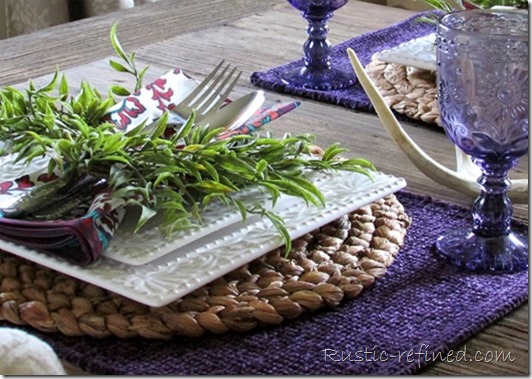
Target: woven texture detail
x,y
365,46
423,303
407,90
325,267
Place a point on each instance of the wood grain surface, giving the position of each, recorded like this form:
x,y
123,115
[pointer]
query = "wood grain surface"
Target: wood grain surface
x,y
256,35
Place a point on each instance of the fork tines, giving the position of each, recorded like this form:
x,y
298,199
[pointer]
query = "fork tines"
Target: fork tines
x,y
210,94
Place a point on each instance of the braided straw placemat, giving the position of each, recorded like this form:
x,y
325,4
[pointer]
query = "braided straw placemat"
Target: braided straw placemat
x,y
334,263
407,90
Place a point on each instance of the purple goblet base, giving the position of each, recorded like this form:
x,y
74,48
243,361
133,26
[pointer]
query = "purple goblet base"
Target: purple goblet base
x,y
326,79
502,254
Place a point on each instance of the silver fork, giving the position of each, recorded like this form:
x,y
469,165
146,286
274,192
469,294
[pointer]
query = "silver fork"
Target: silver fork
x,y
209,95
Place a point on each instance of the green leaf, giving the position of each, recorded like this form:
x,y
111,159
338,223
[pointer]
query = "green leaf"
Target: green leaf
x,y
278,223
119,66
309,187
273,190
146,214
211,170
114,158
136,130
118,177
185,129
210,186
192,148
116,43
160,126
141,75
34,152
294,189
236,165
52,165
63,87
113,143
7,107
261,166
332,151
162,177
241,208
126,192
51,85
354,165
81,126
210,135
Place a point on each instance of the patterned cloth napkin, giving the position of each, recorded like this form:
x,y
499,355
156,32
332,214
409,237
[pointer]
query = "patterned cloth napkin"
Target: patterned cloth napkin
x,y
82,238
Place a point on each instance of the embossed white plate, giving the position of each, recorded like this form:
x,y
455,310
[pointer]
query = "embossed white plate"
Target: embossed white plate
x,y
185,269
419,52
141,248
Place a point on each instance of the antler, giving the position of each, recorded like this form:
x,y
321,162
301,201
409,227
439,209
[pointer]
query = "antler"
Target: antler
x,y
463,179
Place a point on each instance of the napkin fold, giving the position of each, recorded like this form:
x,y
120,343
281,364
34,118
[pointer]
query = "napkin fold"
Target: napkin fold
x,y
81,240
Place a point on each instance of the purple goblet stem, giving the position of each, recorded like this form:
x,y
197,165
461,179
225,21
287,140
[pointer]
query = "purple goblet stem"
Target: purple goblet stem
x,y
317,48
492,210
317,71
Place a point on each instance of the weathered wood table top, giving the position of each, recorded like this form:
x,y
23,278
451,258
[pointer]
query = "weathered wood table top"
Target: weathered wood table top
x,y
256,35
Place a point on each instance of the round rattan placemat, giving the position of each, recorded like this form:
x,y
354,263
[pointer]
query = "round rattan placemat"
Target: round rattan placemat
x,y
331,264
407,90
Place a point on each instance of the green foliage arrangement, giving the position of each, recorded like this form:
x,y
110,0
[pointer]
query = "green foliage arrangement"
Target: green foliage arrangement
x,y
144,167
522,4
447,6
450,5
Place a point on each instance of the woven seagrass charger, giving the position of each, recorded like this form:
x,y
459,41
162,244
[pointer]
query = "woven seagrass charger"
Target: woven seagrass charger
x,y
407,90
325,267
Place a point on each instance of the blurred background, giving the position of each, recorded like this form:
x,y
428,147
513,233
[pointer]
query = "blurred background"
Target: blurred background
x,y
25,16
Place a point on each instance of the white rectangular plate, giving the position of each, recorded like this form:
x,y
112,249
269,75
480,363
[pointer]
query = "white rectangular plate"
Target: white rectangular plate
x,y
419,52
142,247
187,268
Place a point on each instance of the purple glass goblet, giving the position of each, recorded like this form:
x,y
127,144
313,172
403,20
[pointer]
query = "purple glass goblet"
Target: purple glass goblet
x,y
483,88
317,72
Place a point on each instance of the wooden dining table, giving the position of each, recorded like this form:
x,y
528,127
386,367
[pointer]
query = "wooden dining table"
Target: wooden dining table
x,y
257,35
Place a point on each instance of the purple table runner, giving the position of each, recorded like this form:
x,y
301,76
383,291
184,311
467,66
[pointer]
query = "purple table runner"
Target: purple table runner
x,y
365,46
422,306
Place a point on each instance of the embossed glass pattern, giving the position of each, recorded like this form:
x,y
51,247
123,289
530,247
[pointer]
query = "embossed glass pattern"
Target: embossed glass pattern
x,y
317,71
483,92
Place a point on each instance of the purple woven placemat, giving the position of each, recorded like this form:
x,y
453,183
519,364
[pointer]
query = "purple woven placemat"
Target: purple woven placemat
x,y
365,46
421,304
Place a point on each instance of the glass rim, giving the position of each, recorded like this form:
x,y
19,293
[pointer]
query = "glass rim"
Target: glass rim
x,y
445,27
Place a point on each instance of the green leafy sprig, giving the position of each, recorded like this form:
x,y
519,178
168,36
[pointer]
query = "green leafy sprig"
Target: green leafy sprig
x,y
156,172
129,66
447,6
450,5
